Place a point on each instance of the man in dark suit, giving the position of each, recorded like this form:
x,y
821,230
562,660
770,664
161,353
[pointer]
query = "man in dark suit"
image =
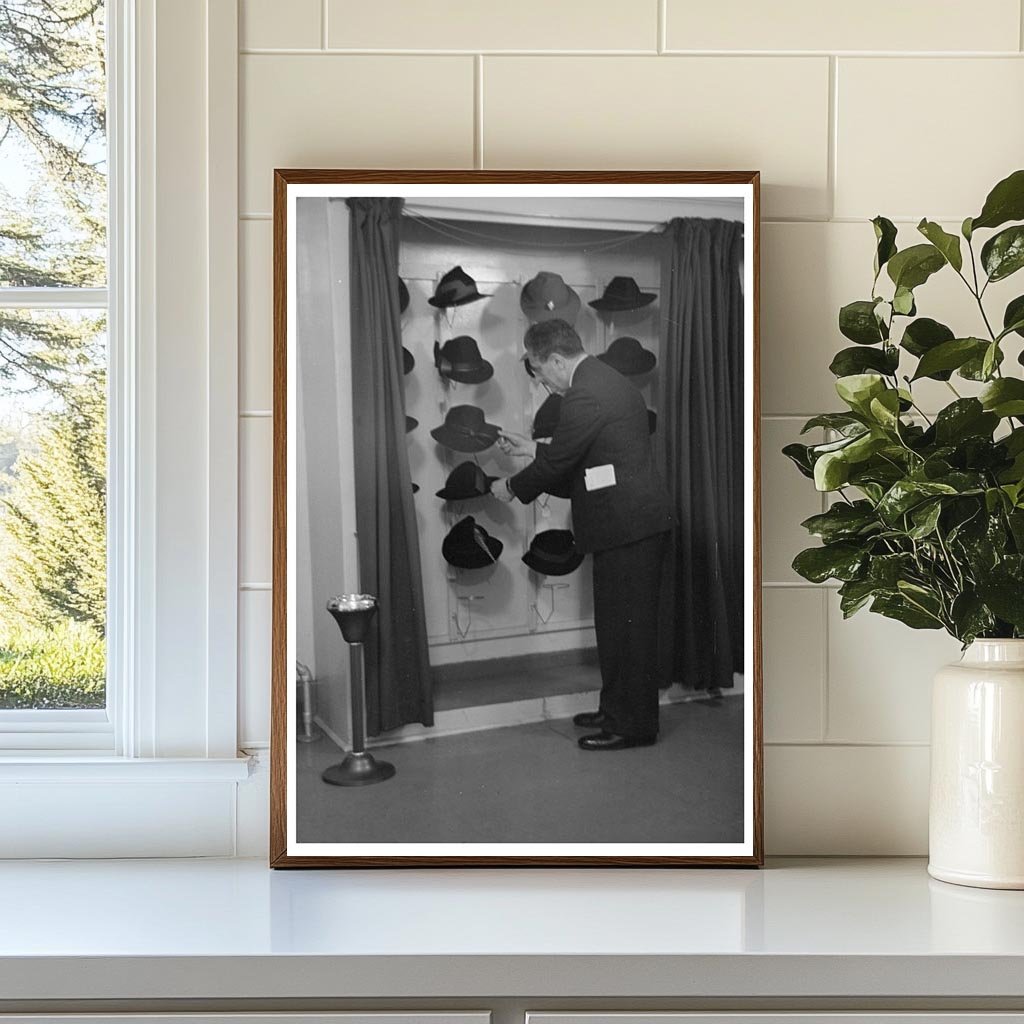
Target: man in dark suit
x,y
600,456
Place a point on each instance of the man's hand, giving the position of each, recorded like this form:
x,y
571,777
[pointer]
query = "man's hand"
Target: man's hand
x,y
500,490
517,444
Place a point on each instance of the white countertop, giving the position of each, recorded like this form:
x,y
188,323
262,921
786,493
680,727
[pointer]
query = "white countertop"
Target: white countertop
x,y
234,928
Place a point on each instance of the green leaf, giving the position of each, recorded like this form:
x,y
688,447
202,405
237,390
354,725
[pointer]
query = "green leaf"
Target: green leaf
x,y
923,335
964,418
1004,397
903,302
990,360
841,421
949,356
885,409
857,321
974,368
840,561
858,389
970,617
885,236
849,361
854,594
1003,254
887,570
913,266
1005,597
1013,317
799,455
925,518
965,228
1005,202
843,521
831,471
906,494
947,244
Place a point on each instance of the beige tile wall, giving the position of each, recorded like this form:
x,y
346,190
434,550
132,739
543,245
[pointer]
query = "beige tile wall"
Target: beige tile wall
x,y
909,110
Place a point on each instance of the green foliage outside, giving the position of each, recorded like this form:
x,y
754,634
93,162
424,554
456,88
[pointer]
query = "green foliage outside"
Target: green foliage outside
x,y
927,525
52,365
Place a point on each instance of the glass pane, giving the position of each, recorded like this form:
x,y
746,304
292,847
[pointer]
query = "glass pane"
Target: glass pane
x,y
53,445
53,147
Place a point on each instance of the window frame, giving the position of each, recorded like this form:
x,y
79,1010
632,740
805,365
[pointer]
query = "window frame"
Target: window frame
x,y
172,525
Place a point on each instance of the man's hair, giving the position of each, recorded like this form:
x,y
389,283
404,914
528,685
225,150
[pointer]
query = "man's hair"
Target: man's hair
x,y
550,336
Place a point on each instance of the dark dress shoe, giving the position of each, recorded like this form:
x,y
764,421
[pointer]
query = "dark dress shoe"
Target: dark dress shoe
x,y
590,719
612,741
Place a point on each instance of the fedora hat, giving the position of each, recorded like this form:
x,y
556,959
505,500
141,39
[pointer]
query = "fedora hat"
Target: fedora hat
x,y
622,293
553,553
469,546
403,296
459,359
411,423
456,288
465,430
548,297
629,357
408,361
466,480
546,418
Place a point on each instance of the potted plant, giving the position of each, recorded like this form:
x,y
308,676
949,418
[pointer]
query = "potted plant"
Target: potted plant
x,y
926,524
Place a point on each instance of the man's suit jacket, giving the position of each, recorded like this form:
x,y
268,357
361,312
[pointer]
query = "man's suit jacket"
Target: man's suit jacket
x,y
603,421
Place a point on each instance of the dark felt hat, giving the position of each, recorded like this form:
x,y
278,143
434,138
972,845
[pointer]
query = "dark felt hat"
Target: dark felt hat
x,y
465,430
548,297
553,553
546,419
456,288
652,421
408,361
466,480
469,546
459,359
622,293
629,357
411,423
403,296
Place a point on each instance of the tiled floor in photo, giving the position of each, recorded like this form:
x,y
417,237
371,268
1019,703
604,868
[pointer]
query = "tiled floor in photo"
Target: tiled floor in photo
x,y
532,783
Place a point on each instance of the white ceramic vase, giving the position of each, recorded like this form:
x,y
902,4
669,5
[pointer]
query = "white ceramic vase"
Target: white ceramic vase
x,y
976,812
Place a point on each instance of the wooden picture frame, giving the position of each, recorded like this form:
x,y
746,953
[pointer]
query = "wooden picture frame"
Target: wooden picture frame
x,y
314,824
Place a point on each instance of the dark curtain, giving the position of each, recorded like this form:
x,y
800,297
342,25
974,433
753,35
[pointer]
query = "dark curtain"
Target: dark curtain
x,y
398,684
700,445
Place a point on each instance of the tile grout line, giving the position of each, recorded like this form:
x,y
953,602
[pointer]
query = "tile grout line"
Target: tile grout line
x,y
478,111
298,51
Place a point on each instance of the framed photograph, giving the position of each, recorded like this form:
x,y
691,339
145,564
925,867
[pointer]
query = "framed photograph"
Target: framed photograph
x,y
516,555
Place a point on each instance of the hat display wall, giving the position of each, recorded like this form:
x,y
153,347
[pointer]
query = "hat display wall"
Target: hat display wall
x,y
469,546
459,359
546,419
467,480
622,293
629,357
548,297
553,553
456,288
465,430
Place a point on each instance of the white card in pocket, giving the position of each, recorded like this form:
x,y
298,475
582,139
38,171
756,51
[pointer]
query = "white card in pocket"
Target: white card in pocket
x,y
596,477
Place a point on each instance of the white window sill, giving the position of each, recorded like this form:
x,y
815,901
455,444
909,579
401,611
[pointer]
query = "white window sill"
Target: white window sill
x,y
77,766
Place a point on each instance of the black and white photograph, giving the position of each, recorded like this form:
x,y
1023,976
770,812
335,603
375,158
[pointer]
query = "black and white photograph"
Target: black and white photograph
x,y
516,561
